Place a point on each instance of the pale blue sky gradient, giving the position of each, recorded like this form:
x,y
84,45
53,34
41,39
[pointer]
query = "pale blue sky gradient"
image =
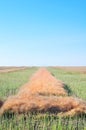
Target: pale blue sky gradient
x,y
42,32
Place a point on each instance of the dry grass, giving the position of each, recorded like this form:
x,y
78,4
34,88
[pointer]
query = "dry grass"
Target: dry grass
x,y
63,105
80,69
43,83
10,69
44,93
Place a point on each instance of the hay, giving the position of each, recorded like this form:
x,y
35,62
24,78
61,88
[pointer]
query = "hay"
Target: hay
x,y
43,83
43,93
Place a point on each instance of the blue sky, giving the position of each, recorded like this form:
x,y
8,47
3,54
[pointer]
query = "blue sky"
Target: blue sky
x,y
43,32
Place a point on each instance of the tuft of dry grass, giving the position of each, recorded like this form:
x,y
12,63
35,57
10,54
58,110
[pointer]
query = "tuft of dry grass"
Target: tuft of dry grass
x,y
44,93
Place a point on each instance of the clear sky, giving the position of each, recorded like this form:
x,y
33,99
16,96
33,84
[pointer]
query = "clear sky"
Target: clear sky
x,y
43,32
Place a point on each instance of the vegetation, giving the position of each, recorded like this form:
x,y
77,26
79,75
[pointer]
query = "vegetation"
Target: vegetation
x,y
12,81
41,122
75,81
9,85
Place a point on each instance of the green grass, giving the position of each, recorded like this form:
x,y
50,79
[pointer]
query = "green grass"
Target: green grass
x,y
11,82
75,81
41,122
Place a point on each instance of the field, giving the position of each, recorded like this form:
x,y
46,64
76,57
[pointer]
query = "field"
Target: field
x,y
10,69
12,81
80,69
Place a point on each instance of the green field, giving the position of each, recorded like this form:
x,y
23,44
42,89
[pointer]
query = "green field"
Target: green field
x,y
75,81
10,84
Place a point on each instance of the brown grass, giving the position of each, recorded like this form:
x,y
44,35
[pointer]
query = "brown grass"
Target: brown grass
x,y
11,69
43,83
43,93
80,69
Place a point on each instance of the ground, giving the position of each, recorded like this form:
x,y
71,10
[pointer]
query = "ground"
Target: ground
x,y
10,84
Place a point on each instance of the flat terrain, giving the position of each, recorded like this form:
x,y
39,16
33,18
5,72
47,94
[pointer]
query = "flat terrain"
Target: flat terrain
x,y
75,80
10,84
80,69
10,69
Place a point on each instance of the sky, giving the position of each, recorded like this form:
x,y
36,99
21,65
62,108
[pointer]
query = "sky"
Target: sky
x,y
43,33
